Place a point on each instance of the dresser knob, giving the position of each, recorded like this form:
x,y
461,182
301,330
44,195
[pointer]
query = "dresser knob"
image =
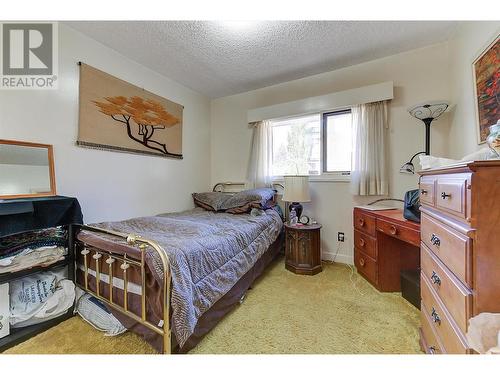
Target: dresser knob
x,y
435,278
435,240
361,262
393,230
361,222
423,192
362,242
435,317
444,195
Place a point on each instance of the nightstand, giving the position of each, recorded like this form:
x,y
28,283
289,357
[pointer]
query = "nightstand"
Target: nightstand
x,y
302,249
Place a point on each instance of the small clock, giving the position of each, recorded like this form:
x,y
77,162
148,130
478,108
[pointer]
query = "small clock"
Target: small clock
x,y
304,219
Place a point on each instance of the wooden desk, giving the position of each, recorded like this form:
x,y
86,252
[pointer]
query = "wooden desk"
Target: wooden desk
x,y
384,244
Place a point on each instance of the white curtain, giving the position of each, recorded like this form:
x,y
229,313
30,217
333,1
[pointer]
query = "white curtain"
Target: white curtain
x,y
260,157
369,174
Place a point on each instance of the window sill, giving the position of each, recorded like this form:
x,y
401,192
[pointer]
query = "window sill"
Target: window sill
x,y
322,178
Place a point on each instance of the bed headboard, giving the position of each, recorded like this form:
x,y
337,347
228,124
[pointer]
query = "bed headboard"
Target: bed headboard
x,y
234,187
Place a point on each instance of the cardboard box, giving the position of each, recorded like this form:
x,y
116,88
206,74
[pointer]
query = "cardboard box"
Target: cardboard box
x,y
4,310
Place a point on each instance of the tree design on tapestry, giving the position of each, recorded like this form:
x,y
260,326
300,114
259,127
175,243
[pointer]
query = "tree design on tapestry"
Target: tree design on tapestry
x,y
149,116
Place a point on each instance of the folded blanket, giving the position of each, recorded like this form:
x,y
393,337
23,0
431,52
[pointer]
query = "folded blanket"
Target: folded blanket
x,y
28,258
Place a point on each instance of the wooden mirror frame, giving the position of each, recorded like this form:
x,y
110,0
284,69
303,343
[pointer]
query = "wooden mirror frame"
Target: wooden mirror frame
x,y
52,175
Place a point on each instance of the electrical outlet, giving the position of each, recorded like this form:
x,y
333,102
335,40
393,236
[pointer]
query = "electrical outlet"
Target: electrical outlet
x,y
340,236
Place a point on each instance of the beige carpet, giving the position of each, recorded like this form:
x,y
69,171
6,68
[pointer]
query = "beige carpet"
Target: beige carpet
x,y
332,312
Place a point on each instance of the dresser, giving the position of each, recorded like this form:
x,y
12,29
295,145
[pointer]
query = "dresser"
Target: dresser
x,y
460,251
385,243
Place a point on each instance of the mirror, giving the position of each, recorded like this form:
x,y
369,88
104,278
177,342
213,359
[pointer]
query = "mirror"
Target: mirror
x,y
26,170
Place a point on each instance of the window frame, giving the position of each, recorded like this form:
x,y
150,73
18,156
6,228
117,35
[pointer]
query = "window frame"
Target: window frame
x,y
345,175
324,176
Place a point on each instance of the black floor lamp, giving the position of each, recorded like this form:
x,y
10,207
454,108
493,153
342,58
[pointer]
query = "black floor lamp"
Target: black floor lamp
x,y
427,112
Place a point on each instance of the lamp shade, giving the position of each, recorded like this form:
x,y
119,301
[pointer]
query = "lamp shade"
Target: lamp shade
x,y
296,189
429,110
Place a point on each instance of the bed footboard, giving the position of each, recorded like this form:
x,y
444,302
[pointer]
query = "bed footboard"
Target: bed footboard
x,y
102,262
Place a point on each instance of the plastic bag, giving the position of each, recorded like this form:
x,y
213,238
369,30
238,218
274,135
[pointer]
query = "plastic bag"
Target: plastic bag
x,y
97,315
40,297
483,334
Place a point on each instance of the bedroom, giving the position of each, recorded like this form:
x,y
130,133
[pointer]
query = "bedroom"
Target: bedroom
x,y
241,104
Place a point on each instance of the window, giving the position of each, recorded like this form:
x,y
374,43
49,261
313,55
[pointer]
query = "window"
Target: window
x,y
337,141
296,146
315,145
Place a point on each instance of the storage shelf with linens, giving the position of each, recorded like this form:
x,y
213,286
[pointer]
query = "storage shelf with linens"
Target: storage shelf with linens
x,y
36,266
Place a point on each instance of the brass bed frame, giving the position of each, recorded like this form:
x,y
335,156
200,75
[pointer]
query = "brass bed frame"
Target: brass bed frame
x,y
138,246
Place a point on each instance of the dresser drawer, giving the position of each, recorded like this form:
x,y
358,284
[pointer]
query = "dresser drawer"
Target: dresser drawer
x,y
395,230
365,243
451,194
428,191
450,336
431,342
451,247
365,265
364,222
454,295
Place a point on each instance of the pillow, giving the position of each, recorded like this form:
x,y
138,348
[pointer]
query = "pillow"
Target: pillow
x,y
211,201
245,200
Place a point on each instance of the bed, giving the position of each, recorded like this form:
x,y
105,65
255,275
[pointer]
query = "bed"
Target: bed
x,y
174,276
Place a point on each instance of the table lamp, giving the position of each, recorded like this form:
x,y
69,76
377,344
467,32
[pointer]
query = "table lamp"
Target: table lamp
x,y
296,191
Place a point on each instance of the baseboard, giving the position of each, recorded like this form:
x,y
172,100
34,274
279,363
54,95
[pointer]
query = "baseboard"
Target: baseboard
x,y
340,258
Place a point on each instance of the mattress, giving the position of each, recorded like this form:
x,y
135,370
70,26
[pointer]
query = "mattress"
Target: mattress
x,y
208,253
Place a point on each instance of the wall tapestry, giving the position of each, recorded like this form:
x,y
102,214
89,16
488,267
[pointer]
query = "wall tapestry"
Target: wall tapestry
x,y
486,70
116,115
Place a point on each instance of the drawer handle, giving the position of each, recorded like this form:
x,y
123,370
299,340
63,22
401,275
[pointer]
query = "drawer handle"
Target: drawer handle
x,y
423,192
393,230
435,240
435,317
444,195
361,222
432,350
362,242
435,278
361,262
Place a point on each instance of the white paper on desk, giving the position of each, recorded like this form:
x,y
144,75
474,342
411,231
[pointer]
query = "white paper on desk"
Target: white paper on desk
x,y
376,208
4,310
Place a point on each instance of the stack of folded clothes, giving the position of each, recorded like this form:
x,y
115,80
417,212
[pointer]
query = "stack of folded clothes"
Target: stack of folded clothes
x,y
32,257
27,250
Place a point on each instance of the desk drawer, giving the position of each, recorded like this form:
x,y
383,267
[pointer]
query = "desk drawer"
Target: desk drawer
x,y
365,243
431,340
451,338
395,230
366,266
455,296
427,191
451,247
451,194
364,222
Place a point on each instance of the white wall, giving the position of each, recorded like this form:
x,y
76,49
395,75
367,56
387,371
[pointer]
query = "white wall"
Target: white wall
x,y
418,75
110,185
469,42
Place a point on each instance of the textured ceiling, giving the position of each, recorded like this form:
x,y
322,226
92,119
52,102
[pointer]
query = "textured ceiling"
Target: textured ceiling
x,y
224,58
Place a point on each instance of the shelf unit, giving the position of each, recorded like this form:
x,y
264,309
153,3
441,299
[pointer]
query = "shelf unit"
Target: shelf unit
x,y
18,335
67,211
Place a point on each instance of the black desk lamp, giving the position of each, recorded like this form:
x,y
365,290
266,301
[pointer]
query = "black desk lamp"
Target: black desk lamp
x,y
427,112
